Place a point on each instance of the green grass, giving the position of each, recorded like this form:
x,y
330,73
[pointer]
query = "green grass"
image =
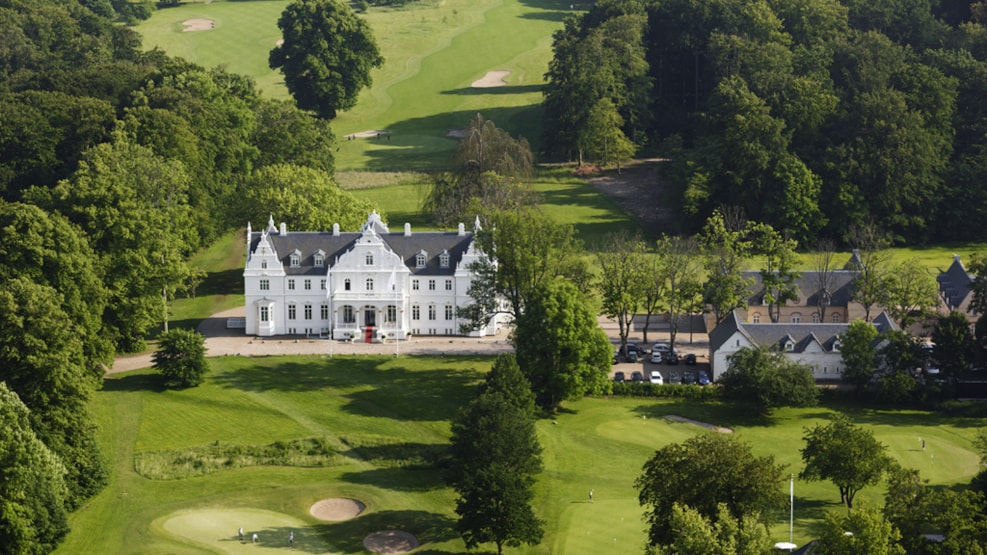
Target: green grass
x,y
433,52
381,414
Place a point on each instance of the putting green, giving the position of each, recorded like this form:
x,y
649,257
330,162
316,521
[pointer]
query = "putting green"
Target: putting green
x,y
215,530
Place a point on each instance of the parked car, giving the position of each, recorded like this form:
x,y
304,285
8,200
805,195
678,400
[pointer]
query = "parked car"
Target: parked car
x,y
661,348
655,357
688,378
674,377
656,377
671,358
631,356
637,377
690,359
616,357
703,378
618,377
626,350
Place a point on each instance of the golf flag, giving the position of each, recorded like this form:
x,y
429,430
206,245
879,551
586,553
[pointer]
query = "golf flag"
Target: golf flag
x,y
392,282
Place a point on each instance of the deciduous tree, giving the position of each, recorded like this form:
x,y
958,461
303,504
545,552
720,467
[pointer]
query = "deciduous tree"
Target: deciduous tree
x,y
560,346
696,534
623,276
702,473
844,453
768,380
725,249
954,348
859,353
911,292
862,530
326,56
779,274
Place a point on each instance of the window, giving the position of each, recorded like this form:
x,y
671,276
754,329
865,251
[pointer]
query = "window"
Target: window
x,y
836,318
324,311
815,317
291,285
756,318
263,264
319,259
789,346
836,346
416,312
431,285
414,285
431,312
308,285
391,315
448,285
796,318
265,285
444,260
448,312
322,285
420,260
346,284
348,317
264,314
296,260
308,312
291,312
370,284
370,259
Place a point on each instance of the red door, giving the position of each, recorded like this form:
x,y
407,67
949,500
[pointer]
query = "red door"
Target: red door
x,y
368,334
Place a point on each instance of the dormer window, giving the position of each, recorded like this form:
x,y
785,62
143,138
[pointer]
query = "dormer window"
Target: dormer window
x,y
444,259
836,346
370,259
296,259
420,260
789,346
319,259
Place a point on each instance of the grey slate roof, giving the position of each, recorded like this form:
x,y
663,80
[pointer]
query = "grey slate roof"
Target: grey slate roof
x,y
839,284
776,335
954,284
334,246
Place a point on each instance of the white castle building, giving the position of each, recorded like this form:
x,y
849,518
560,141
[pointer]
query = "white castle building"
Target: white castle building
x,y
364,285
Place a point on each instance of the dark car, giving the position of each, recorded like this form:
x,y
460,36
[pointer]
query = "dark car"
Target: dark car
x,y
690,359
688,378
627,350
618,376
672,358
631,356
703,378
637,377
616,357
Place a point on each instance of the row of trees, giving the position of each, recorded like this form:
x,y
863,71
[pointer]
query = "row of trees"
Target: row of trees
x,y
812,116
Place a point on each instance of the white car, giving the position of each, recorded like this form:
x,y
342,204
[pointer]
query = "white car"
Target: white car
x,y
656,357
656,378
661,348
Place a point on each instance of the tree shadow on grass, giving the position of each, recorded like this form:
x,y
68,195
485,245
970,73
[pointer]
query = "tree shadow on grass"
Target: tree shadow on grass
x,y
144,381
501,90
881,416
726,415
406,455
348,535
397,479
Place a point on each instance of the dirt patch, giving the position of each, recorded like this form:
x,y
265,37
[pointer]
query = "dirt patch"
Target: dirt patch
x,y
390,541
640,191
336,509
197,25
491,79
706,425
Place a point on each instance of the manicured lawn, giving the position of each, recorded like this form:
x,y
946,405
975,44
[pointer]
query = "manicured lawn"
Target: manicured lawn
x,y
379,414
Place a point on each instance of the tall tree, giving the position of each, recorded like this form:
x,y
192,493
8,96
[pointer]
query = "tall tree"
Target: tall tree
x,y
859,353
768,379
696,534
702,473
43,361
506,379
954,348
623,274
870,266
824,267
602,139
33,519
681,268
863,530
779,274
495,458
559,345
911,292
844,453
326,56
725,249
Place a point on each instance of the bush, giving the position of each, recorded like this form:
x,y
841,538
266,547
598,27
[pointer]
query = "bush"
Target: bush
x,y
181,358
669,391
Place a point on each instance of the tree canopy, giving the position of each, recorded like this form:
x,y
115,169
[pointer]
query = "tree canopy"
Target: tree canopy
x,y
181,358
768,379
844,453
327,54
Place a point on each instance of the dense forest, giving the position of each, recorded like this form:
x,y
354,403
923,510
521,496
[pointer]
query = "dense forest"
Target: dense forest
x,y
815,116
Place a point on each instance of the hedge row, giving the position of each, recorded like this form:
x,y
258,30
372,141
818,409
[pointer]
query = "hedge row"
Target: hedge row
x,y
667,391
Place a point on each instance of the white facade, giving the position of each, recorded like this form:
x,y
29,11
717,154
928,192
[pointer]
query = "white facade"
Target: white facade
x,y
366,285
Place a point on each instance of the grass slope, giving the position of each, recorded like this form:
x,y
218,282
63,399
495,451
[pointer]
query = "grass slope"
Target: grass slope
x,y
378,410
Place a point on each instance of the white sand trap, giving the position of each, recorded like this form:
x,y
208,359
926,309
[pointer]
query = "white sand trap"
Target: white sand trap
x,y
197,25
279,42
706,425
371,133
458,133
336,509
390,541
492,79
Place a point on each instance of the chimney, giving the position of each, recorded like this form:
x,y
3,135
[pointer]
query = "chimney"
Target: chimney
x,y
407,229
462,229
284,228
335,230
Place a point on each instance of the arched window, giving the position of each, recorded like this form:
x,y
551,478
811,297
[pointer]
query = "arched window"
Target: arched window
x,y
756,318
815,317
346,284
796,318
370,284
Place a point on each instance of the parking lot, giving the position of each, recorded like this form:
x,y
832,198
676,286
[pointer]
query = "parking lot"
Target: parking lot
x,y
645,367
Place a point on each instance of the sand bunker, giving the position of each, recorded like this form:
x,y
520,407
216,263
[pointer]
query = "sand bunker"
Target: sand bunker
x,y
390,541
279,42
336,509
492,79
197,25
706,425
371,133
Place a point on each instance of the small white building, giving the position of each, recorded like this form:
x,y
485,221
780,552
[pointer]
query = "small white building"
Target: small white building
x,y
365,285
816,345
